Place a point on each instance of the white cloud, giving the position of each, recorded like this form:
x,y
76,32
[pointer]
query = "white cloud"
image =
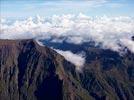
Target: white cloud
x,y
40,43
128,43
109,31
77,59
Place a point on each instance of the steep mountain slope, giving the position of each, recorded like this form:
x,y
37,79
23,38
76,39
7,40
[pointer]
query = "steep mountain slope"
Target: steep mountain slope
x,y
29,71
106,74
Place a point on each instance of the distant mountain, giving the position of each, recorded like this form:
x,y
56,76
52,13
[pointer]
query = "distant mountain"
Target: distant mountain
x,y
29,71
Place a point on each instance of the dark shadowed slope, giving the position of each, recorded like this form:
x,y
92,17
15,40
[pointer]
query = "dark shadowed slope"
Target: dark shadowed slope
x,y
29,71
106,74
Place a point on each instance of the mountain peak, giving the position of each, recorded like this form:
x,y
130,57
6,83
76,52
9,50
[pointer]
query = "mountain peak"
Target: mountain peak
x,y
13,42
33,72
29,71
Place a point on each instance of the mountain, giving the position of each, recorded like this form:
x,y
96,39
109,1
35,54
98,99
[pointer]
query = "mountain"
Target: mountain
x,y
29,71
106,74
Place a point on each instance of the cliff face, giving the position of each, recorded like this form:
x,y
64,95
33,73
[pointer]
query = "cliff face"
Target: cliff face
x,y
29,71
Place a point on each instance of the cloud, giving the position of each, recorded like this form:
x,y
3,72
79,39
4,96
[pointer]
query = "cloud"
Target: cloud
x,y
112,32
77,59
128,43
40,43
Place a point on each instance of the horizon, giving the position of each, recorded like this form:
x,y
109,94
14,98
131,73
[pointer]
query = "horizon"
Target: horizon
x,y
108,22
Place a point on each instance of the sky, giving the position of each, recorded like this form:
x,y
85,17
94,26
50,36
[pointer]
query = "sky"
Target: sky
x,y
20,9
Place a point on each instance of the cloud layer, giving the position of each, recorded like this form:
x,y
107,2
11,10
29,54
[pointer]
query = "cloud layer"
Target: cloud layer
x,y
112,32
77,59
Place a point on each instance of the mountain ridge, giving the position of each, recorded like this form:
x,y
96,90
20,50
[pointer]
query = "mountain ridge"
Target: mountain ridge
x,y
29,71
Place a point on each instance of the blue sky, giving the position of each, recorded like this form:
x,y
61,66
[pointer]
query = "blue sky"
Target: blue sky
x,y
16,9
